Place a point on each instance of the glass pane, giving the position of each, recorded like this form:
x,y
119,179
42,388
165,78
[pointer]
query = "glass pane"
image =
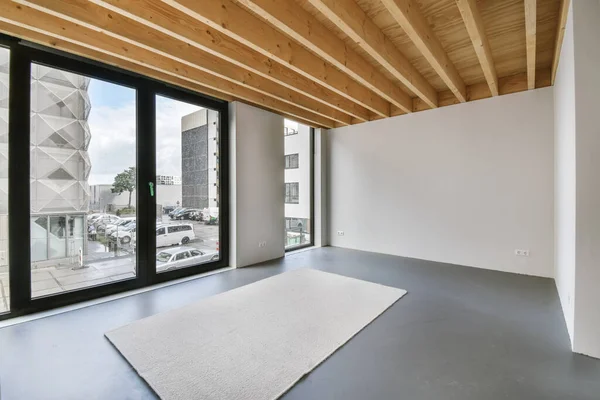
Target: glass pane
x,y
83,198
187,184
298,184
4,81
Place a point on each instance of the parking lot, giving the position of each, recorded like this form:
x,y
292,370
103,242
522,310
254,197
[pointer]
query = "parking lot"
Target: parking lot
x,y
103,264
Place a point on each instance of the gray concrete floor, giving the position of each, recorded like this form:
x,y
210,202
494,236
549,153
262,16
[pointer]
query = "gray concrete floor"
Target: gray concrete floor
x,y
459,333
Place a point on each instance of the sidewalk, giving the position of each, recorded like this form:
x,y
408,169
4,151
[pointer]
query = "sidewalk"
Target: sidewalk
x,y
45,281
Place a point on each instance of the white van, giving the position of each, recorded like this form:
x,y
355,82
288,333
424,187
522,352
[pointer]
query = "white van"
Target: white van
x,y
168,235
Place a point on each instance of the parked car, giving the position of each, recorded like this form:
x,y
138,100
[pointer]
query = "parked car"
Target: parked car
x,y
175,211
197,216
179,257
91,217
105,219
125,235
120,224
185,214
169,235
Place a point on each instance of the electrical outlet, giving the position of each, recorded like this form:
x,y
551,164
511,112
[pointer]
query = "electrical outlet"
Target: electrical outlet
x,y
340,233
262,244
522,252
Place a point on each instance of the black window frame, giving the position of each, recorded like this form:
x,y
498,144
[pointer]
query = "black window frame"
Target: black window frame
x,y
22,55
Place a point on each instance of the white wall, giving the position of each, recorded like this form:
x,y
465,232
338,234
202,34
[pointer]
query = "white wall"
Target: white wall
x,y
320,175
564,176
465,184
586,26
256,185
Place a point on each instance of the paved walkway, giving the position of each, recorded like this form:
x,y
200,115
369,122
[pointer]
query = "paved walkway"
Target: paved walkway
x,y
102,267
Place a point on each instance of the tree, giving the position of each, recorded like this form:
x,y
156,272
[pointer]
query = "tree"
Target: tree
x,y
125,182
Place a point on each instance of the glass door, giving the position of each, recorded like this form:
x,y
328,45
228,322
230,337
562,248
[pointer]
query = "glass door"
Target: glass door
x,y
82,181
187,186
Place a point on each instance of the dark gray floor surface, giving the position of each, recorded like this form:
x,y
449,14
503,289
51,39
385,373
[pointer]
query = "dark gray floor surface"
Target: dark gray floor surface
x,y
459,333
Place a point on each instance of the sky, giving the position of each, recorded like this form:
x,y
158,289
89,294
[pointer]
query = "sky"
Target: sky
x,y
113,128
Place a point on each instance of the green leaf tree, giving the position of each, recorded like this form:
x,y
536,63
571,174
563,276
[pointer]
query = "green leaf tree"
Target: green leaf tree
x,y
125,182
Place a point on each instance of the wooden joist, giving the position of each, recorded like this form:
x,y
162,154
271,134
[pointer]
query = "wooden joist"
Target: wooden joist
x,y
474,24
410,19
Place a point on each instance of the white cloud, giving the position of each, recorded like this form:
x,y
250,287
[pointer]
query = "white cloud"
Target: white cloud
x,y
113,143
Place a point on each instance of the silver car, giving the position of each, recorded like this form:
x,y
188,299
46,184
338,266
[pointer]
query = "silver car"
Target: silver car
x,y
182,256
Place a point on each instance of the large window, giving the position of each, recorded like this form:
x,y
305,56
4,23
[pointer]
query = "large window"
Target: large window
x,y
298,185
126,179
187,194
83,181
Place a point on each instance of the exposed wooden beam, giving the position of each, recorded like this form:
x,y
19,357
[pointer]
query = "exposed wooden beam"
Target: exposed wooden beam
x,y
120,28
530,35
560,34
54,29
69,47
158,16
299,24
354,22
506,85
474,24
232,20
412,21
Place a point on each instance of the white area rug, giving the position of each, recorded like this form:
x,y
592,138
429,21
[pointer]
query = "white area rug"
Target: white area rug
x,y
254,342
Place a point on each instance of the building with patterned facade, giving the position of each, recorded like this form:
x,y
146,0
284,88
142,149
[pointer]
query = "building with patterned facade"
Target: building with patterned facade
x,y
59,163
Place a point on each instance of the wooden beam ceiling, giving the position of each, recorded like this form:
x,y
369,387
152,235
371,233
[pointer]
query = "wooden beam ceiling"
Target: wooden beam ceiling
x,y
474,24
230,19
354,22
297,23
410,18
530,34
158,16
85,36
326,63
129,30
560,34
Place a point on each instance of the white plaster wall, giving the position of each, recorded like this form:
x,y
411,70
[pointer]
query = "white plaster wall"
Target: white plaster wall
x,y
466,184
586,27
564,177
256,185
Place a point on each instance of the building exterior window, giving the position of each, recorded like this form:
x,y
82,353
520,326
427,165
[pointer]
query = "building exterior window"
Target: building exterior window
x,y
291,161
290,131
292,193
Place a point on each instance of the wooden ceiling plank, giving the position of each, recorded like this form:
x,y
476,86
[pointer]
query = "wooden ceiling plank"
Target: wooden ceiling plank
x,y
475,28
120,28
411,20
530,37
232,20
560,34
354,22
54,29
290,18
159,16
72,48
